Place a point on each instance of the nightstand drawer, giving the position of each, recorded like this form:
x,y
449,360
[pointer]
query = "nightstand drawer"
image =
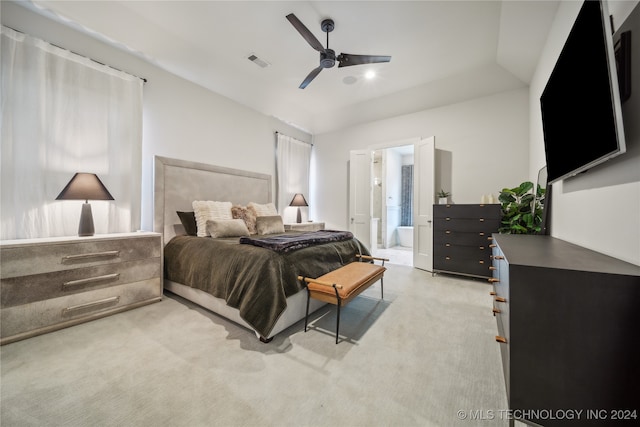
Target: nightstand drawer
x,y
38,287
44,316
49,257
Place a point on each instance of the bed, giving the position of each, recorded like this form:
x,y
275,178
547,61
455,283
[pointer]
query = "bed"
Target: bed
x,y
250,284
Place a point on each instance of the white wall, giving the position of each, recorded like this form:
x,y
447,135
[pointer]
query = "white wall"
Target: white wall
x,y
481,147
600,209
181,119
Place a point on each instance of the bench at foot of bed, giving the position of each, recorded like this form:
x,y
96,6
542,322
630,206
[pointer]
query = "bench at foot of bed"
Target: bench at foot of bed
x,y
340,286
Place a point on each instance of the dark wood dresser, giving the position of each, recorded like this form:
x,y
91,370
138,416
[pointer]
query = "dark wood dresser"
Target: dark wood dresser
x,y
568,327
461,238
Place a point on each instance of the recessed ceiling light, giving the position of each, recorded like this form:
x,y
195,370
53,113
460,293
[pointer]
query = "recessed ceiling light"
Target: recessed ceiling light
x,y
370,74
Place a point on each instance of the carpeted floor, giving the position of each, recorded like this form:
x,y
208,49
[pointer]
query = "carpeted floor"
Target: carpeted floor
x,y
415,359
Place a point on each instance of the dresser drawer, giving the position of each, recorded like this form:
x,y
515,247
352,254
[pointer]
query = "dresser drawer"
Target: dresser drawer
x,y
471,265
50,257
467,211
458,238
38,287
43,316
488,226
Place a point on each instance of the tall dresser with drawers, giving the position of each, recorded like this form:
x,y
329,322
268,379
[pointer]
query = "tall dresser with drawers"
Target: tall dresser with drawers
x,y
51,283
461,238
567,320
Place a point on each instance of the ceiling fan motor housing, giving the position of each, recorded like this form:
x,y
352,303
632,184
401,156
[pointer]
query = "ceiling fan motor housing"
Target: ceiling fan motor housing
x,y
327,58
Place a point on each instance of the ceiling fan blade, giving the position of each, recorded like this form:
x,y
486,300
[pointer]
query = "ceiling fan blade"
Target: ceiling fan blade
x,y
304,32
312,75
346,59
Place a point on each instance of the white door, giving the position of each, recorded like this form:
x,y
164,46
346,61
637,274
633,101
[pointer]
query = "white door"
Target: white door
x,y
423,198
360,195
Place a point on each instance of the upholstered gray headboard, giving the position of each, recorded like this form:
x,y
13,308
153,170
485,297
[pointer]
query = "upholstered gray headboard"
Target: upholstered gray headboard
x,y
177,183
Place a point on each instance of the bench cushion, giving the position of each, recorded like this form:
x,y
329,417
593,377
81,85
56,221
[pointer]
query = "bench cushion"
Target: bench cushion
x,y
354,278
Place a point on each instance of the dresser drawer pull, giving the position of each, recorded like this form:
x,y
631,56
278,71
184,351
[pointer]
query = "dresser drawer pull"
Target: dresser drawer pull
x,y
447,232
492,268
480,234
82,257
447,245
481,248
496,310
492,293
489,238
498,257
447,258
501,339
501,299
90,280
493,279
447,219
493,245
481,262
481,219
90,306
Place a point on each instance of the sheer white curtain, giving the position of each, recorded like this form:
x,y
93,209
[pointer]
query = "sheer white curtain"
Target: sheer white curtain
x,y
293,161
61,114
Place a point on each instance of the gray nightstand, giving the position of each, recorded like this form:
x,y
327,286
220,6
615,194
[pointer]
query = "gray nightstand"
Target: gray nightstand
x,y
304,226
52,283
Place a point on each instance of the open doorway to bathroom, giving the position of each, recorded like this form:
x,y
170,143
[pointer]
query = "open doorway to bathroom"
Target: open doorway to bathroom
x,y
392,204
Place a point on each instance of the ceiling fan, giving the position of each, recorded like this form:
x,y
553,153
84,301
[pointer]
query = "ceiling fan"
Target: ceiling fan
x,y
328,56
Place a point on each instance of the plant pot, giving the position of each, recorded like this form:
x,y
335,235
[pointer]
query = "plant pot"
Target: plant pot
x,y
443,200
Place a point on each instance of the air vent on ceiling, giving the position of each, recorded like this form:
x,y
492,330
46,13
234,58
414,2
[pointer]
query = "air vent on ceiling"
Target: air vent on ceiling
x,y
260,62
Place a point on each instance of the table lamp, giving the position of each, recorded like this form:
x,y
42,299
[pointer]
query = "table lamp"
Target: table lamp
x,y
298,200
85,186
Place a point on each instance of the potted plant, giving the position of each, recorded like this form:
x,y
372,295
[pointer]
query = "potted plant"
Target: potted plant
x,y
521,209
443,197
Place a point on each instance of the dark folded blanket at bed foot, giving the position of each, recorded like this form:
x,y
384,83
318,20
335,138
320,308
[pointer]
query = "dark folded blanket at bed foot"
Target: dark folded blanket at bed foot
x,y
287,242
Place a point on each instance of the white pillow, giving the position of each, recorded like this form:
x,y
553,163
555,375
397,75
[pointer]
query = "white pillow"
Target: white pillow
x,y
209,210
268,209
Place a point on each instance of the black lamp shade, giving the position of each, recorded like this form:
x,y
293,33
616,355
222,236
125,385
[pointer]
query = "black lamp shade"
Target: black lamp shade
x,y
85,186
298,200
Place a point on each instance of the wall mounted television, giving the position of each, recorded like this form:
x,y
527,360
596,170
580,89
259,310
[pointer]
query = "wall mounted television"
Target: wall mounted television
x,y
581,109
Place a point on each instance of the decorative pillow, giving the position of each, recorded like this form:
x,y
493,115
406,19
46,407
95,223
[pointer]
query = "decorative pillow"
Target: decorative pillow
x,y
208,209
248,216
227,228
188,220
268,209
269,224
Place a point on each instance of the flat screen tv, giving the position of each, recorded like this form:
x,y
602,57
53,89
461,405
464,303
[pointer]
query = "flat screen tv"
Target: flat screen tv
x,y
581,109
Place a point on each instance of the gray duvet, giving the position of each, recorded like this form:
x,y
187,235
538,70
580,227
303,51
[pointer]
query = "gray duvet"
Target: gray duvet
x,y
252,279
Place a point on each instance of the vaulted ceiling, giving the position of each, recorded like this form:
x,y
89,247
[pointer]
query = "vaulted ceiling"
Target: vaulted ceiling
x,y
442,51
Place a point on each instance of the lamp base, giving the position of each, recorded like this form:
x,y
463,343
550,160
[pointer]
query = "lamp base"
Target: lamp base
x,y
299,217
86,228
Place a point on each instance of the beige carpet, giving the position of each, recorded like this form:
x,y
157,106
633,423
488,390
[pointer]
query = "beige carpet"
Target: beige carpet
x,y
415,359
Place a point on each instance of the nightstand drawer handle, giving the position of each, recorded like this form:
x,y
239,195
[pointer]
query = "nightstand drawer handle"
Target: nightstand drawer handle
x,y
90,305
82,257
90,280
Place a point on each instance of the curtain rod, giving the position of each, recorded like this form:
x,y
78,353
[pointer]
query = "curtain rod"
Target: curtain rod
x,y
79,54
310,143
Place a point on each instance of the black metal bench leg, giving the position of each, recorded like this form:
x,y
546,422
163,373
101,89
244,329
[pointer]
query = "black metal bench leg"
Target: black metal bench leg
x,y
339,303
306,316
381,288
338,322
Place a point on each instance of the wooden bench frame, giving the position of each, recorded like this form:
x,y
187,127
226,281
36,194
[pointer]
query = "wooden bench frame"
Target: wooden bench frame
x,y
351,289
